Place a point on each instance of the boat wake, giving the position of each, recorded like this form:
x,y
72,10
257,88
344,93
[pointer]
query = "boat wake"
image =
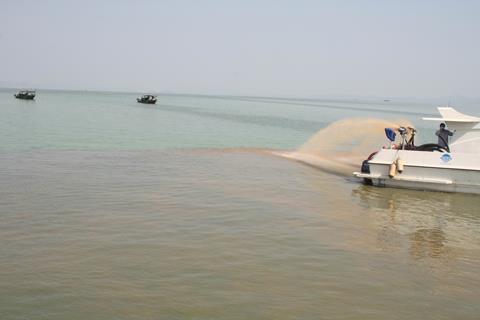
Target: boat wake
x,y
341,147
338,148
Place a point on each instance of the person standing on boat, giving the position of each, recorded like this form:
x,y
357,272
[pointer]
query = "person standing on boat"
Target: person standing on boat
x,y
443,135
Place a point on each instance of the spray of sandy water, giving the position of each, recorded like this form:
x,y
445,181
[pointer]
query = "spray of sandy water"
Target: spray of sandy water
x,y
341,147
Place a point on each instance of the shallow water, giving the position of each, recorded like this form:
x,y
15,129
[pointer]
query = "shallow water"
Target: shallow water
x,y
206,223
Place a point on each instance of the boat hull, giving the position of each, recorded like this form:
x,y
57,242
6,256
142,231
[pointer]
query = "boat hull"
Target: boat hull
x,y
425,171
30,97
146,102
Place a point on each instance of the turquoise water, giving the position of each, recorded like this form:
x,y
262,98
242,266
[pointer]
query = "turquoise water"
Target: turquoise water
x,y
114,121
114,210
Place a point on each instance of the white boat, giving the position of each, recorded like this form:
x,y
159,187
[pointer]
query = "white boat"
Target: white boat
x,y
455,168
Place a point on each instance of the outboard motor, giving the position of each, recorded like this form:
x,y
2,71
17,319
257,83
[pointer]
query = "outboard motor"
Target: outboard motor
x,y
365,165
366,168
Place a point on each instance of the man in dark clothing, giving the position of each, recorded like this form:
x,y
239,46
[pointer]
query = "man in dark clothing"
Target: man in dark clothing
x,y
443,135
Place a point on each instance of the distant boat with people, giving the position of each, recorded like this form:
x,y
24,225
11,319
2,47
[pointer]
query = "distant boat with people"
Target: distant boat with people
x,y
148,99
25,95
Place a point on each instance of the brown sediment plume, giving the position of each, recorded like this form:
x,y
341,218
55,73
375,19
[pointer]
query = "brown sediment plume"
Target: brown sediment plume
x,y
341,147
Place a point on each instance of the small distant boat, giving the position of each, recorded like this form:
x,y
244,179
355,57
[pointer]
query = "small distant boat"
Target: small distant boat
x,y
25,95
148,99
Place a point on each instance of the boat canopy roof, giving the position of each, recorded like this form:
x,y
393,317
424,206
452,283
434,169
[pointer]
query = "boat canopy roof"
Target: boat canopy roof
x,y
449,114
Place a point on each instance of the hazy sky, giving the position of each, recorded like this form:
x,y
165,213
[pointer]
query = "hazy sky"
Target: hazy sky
x,y
416,48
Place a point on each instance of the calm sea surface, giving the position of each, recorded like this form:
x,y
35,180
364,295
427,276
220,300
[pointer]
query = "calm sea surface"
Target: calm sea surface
x,y
110,209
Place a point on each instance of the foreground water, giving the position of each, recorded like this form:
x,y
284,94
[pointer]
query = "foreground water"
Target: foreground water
x,y
113,210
